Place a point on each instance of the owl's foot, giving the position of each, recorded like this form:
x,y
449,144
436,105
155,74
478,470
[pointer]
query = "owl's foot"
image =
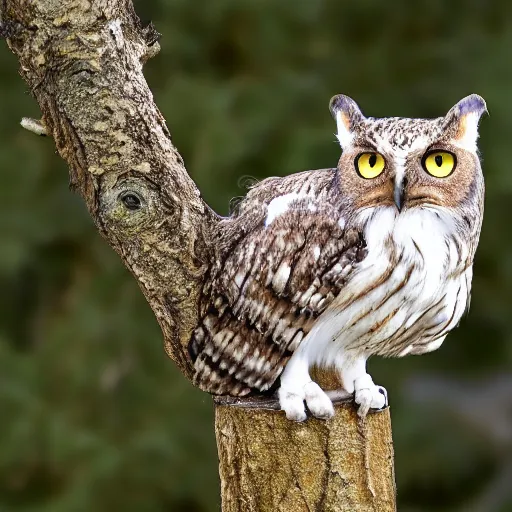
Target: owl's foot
x,y
319,404
369,396
292,402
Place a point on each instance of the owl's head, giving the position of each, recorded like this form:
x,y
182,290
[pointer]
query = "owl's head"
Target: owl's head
x,y
409,163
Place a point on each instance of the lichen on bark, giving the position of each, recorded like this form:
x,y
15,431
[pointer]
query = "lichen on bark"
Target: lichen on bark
x,y
83,62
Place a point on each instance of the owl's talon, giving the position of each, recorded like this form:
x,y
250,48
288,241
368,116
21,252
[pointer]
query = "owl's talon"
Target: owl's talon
x,y
293,405
383,391
319,404
369,396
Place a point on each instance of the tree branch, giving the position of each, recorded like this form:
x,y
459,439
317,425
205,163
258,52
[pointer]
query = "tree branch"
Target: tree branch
x,y
83,63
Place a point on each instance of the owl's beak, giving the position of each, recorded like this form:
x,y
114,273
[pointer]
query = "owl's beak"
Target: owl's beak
x,y
399,192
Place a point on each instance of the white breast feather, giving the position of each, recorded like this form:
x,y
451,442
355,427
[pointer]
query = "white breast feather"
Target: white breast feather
x,y
346,324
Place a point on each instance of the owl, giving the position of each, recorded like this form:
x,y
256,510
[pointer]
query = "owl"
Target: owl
x,y
332,266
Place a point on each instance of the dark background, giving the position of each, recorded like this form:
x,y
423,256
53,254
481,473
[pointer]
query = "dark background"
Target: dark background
x,y
93,416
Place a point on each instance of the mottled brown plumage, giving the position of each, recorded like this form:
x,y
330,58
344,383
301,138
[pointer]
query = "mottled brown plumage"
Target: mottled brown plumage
x,y
271,284
328,267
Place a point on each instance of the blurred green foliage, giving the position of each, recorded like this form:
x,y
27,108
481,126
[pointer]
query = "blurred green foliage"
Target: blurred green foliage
x,y
93,415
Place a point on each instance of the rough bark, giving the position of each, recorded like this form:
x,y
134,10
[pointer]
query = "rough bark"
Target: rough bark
x,y
83,60
268,463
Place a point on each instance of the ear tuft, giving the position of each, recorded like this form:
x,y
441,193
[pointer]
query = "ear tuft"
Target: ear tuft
x,y
348,115
472,104
462,120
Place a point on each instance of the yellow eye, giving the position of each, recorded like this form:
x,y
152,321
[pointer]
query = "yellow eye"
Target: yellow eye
x,y
439,164
370,165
